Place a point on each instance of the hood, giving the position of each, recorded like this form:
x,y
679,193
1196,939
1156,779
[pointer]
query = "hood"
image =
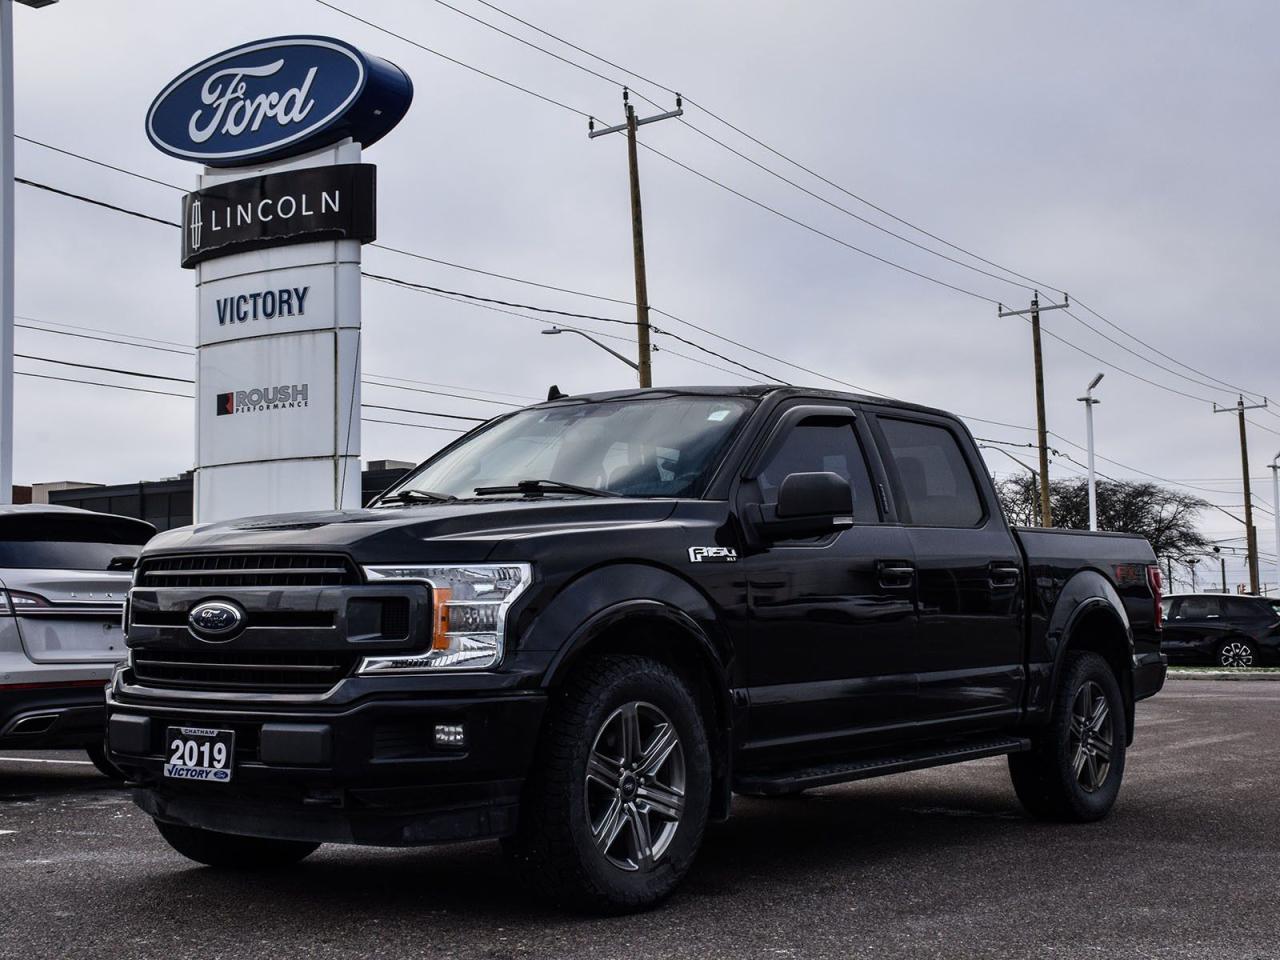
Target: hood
x,y
431,532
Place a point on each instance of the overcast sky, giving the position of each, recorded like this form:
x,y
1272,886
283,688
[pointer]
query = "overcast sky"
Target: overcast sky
x,y
1123,152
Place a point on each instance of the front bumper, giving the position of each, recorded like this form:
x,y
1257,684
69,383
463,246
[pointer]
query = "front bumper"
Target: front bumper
x,y
365,772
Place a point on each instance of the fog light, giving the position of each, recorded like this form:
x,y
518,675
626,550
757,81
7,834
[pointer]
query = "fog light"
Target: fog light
x,y
451,735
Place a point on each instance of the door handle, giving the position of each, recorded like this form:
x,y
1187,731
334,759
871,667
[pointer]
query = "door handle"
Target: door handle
x,y
1003,577
895,573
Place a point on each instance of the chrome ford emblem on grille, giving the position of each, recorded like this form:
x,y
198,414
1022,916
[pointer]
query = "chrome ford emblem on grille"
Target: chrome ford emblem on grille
x,y
215,620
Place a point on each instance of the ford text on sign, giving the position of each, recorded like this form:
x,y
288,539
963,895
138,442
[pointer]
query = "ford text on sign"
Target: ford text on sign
x,y
277,98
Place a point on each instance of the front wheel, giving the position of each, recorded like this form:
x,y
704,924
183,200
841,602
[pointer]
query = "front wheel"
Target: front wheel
x,y
232,851
1237,653
1075,766
98,754
615,809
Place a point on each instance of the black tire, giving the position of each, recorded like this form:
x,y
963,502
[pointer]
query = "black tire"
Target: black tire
x,y
231,851
1237,652
564,806
1051,780
98,754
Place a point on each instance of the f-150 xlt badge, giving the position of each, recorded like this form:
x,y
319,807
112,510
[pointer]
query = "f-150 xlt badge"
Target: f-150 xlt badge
x,y
712,555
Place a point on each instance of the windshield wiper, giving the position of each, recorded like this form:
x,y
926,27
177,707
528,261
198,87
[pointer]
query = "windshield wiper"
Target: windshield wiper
x,y
417,496
536,488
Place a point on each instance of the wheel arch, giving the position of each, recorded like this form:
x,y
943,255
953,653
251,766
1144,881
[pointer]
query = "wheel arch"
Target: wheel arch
x,y
1090,617
638,609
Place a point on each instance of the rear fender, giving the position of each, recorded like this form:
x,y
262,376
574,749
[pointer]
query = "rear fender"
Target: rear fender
x,y
1089,615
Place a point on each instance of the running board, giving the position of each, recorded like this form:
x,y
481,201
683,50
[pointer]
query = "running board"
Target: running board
x,y
792,781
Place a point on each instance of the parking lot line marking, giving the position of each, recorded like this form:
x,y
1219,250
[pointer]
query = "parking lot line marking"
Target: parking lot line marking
x,y
78,763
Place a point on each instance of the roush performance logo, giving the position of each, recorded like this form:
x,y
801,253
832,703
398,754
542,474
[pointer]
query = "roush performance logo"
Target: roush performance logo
x,y
262,399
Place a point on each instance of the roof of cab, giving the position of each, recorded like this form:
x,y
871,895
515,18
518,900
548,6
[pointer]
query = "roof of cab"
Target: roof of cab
x,y
759,391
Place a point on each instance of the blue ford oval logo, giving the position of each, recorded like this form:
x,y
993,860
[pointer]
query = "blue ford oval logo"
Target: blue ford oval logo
x,y
276,98
215,620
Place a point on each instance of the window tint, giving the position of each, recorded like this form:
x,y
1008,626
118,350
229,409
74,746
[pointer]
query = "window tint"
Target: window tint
x,y
1199,608
818,447
936,481
1244,608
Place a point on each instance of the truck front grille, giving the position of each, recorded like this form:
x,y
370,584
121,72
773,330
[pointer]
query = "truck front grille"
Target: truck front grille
x,y
246,670
247,570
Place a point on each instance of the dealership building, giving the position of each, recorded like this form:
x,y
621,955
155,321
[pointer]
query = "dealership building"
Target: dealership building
x,y
168,503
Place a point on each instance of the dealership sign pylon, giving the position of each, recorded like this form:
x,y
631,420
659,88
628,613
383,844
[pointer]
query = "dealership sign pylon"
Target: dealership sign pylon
x,y
273,233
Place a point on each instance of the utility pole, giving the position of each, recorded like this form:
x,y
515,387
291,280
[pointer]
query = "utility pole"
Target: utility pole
x,y
1089,403
1042,432
645,366
1250,533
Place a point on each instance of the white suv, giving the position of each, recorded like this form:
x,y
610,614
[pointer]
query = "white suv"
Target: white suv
x,y
64,577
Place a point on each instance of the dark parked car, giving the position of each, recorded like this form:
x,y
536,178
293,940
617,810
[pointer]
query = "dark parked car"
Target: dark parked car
x,y
1225,630
584,625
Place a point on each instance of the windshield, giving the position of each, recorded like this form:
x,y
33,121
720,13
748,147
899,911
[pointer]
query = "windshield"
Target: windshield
x,y
651,447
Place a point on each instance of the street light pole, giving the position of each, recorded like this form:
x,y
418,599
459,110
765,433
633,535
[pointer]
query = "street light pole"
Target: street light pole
x,y
1089,403
552,331
6,243
1275,492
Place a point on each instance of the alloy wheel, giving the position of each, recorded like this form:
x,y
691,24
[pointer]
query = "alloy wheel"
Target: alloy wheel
x,y
635,786
1092,733
1236,654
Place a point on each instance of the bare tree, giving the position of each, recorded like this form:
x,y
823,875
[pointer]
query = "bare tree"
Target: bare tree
x,y
1165,517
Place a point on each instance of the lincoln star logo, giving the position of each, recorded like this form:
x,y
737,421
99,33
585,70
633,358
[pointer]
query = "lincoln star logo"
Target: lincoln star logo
x,y
195,222
215,620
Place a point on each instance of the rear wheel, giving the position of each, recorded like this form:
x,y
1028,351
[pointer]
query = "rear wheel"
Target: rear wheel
x,y
233,851
1074,769
1238,652
614,812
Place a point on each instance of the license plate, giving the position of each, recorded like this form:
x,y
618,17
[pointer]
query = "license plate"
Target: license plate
x,y
198,753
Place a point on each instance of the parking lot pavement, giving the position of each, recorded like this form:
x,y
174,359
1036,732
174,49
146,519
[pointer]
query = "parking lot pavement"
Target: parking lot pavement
x,y
933,864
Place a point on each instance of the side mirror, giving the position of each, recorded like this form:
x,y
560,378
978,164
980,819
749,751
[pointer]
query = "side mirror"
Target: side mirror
x,y
809,505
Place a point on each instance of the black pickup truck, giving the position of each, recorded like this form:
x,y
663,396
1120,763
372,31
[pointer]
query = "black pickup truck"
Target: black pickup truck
x,y
583,626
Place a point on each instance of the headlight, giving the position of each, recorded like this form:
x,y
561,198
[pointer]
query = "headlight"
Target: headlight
x,y
468,615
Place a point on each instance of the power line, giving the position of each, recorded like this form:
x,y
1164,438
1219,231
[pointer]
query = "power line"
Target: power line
x,y
455,62
1222,384
98,383
92,366
812,229
100,163
502,276
416,426
89,336
425,413
97,203
756,141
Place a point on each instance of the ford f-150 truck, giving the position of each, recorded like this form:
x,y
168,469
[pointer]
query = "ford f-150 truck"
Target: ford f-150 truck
x,y
584,625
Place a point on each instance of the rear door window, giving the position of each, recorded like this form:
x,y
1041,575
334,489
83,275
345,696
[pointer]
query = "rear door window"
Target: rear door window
x,y
1246,608
1199,608
933,475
